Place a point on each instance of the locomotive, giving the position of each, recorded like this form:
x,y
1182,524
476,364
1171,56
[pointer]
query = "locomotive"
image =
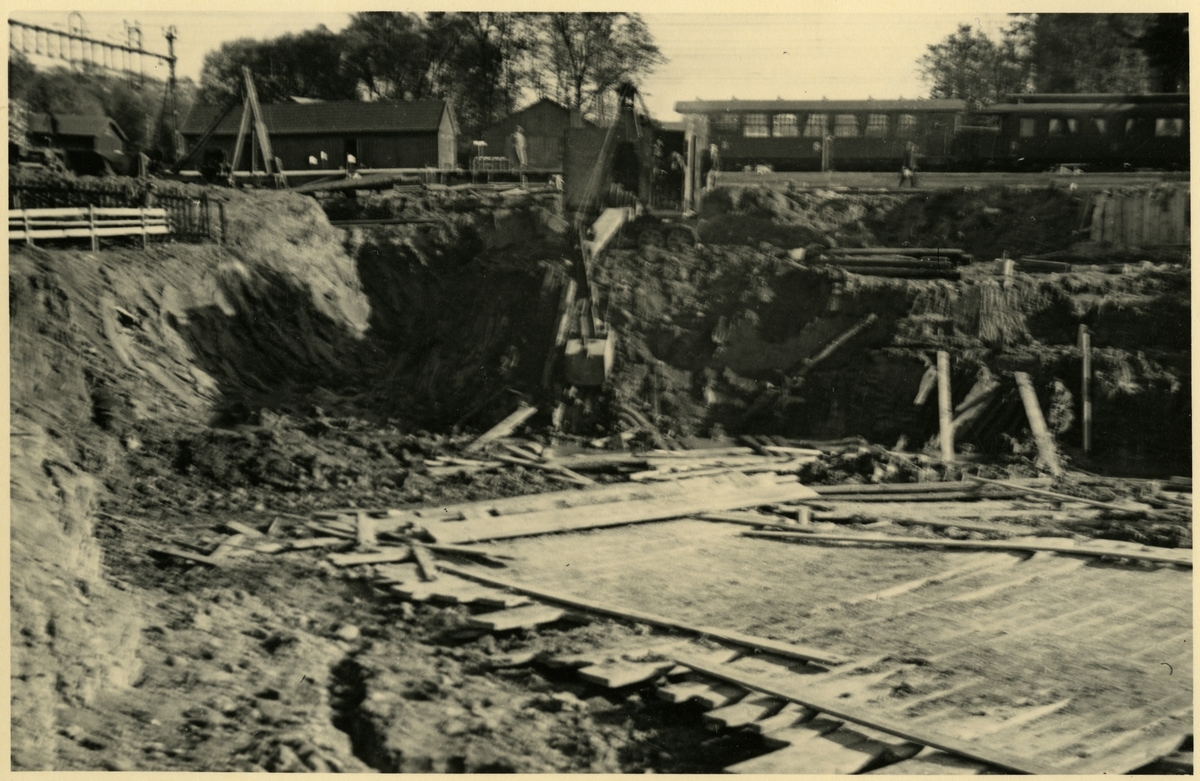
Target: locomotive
x,y
1025,132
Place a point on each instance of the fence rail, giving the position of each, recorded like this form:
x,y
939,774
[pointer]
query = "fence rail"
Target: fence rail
x,y
90,223
189,218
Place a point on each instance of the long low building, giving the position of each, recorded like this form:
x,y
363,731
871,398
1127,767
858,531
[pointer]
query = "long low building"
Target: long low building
x,y
380,134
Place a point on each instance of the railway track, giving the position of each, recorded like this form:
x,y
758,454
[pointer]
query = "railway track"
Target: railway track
x,y
852,659
936,180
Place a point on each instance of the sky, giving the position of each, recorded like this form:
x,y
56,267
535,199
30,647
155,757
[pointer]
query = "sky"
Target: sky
x,y
710,56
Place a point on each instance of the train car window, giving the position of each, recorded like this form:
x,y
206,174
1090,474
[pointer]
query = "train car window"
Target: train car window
x,y
1099,125
906,126
1063,127
1137,126
845,126
727,121
1168,126
1028,127
755,126
877,126
785,126
816,126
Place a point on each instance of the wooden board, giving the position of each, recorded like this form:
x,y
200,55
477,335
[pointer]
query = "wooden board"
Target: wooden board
x,y
614,675
381,557
931,762
517,618
790,650
789,716
702,495
743,713
1181,557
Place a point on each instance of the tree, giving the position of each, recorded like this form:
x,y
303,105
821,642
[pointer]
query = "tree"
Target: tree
x,y
401,55
970,66
1086,52
490,67
1165,44
308,64
589,54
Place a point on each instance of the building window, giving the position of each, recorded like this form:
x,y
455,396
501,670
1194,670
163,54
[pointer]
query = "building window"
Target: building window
x,y
1171,127
877,126
727,121
816,126
755,126
785,126
845,126
1028,127
1099,125
906,126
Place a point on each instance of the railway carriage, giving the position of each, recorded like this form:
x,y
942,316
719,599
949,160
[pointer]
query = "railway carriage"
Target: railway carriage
x,y
1026,132
813,135
1112,132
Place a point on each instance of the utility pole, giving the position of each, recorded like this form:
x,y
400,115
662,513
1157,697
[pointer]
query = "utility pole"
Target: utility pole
x,y
171,34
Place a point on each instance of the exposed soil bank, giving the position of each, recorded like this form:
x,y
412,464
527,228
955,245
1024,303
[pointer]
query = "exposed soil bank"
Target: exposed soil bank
x,y
157,394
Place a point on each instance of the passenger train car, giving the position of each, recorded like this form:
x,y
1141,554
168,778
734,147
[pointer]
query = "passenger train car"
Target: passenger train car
x,y
1026,132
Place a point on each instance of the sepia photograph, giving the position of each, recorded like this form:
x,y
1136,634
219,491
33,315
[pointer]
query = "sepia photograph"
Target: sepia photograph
x,y
552,392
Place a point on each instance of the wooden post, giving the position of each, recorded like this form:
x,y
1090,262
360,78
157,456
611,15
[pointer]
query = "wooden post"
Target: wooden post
x,y
945,410
145,238
1037,423
1085,348
28,227
92,228
221,219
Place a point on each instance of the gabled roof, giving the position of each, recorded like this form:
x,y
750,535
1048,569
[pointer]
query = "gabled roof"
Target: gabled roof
x,y
715,106
343,116
74,125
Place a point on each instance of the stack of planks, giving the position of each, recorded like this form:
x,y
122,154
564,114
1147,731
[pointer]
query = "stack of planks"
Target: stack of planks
x,y
901,262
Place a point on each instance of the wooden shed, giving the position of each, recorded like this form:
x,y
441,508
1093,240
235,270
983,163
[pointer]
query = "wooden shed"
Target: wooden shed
x,y
544,125
93,144
380,134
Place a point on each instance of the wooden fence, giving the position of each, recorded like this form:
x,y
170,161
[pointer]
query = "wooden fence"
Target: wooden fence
x,y
91,223
1142,219
189,218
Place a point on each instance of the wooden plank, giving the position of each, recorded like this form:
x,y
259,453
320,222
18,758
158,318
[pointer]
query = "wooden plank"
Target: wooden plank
x,y
980,562
524,617
615,675
807,730
723,635
227,547
425,562
1182,558
741,714
242,528
317,542
1061,497
837,754
364,528
945,412
1037,424
182,554
749,519
618,492
931,762
869,716
381,557
789,716
725,494
504,427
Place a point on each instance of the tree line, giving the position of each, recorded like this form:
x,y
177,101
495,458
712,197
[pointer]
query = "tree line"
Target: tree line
x,y
1072,53
483,61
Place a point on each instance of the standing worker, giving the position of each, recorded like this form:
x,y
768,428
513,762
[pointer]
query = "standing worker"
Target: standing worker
x,y
516,151
908,167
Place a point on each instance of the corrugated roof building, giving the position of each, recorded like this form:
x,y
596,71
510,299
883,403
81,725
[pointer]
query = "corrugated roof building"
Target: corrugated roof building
x,y
381,134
